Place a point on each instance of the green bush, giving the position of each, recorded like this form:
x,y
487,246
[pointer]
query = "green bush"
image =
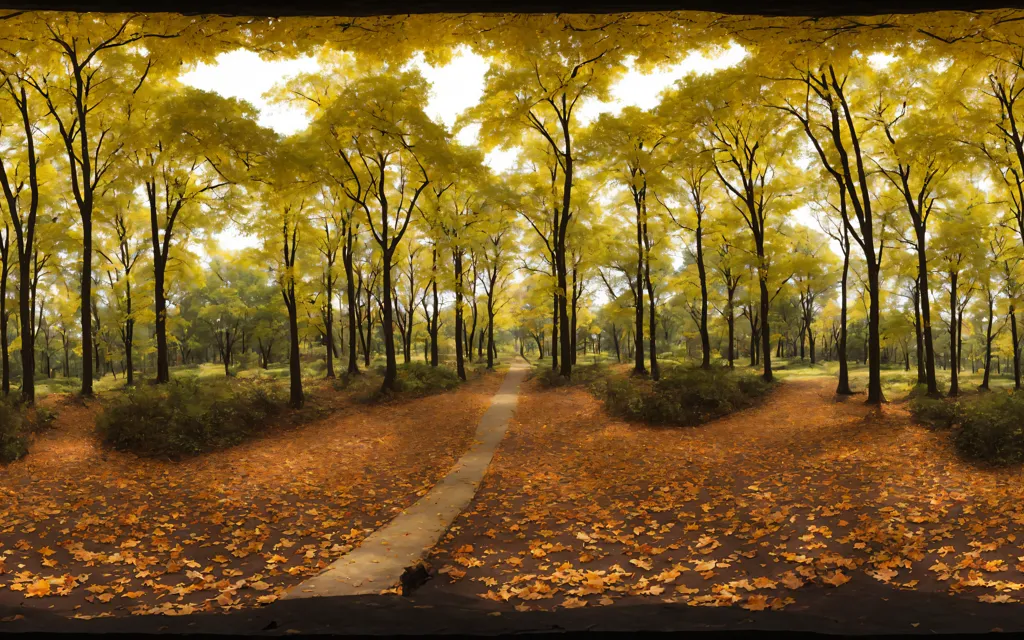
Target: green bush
x,y
364,382
13,439
936,412
420,379
186,417
993,429
683,396
415,379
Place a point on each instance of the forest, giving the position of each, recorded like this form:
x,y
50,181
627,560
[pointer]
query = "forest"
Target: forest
x,y
854,200
812,254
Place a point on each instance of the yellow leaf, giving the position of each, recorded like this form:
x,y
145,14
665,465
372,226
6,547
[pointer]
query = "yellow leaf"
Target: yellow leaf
x,y
38,589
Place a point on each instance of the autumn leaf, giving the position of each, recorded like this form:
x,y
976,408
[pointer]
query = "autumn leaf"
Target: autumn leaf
x,y
574,603
643,563
764,583
836,579
791,581
755,603
884,575
38,589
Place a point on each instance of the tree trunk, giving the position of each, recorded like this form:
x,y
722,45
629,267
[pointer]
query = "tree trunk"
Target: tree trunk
x,y
390,382
328,322
922,377
459,330
554,333
843,388
163,372
433,318
352,302
926,314
490,329
1016,348
988,342
874,335
731,321
954,388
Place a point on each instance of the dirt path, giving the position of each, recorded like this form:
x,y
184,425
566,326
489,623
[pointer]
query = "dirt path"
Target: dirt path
x,y
379,562
774,507
89,532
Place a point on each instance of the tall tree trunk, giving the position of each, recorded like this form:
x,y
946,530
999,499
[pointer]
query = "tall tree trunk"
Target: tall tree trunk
x,y
575,299
460,366
705,336
490,329
954,387
434,319
390,382
988,340
922,377
655,371
163,372
638,332
329,321
554,333
875,395
4,356
1016,348
351,303
27,332
843,387
731,321
926,314
766,337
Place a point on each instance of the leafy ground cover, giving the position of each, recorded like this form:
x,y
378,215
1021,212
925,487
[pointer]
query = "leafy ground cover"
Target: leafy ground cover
x,y
764,509
88,531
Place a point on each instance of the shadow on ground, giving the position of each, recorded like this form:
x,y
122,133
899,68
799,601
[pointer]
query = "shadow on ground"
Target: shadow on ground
x,y
864,609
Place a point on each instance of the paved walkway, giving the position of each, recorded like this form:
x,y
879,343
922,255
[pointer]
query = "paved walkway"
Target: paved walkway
x,y
378,563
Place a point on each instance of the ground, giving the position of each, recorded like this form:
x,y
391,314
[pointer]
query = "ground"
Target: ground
x,y
88,531
773,508
755,510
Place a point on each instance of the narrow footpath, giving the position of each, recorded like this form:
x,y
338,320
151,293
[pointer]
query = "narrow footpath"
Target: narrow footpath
x,y
378,563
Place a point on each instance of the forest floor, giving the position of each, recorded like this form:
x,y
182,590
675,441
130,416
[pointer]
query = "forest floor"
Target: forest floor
x,y
803,504
775,508
86,531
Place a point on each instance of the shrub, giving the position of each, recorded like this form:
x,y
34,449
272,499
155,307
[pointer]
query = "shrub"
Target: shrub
x,y
936,412
43,419
415,379
365,382
683,396
187,417
993,429
420,379
13,439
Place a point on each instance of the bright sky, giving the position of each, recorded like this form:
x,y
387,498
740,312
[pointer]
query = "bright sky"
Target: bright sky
x,y
455,87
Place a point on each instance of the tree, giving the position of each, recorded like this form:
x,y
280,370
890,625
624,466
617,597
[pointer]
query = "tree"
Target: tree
x,y
748,146
385,145
195,149
823,109
536,86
